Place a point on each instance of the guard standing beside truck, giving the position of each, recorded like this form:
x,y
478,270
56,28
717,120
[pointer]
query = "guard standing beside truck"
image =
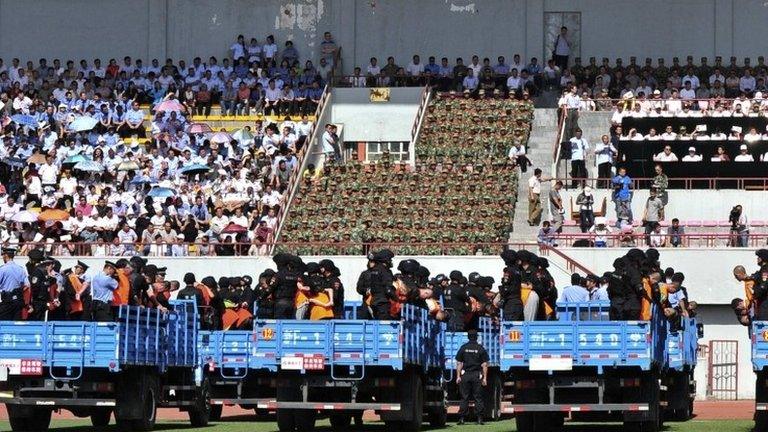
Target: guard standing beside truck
x,y
13,281
471,376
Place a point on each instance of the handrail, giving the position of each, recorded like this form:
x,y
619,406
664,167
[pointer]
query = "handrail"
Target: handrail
x,y
558,138
632,239
293,184
687,182
424,97
572,264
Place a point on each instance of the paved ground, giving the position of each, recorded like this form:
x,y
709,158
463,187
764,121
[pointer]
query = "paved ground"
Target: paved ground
x,y
727,416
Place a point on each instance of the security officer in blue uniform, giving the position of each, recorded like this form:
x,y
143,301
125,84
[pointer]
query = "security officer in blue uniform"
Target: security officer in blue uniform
x,y
102,286
472,376
13,280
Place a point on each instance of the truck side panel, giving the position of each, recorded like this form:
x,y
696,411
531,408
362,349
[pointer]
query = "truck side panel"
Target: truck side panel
x,y
488,336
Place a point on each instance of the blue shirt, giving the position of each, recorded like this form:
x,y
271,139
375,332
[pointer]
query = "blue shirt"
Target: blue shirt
x,y
102,287
600,294
501,69
624,182
432,68
12,277
135,116
575,293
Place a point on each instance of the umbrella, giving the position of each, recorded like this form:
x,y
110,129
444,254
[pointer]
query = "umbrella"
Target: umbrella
x,y
37,158
195,169
128,166
24,216
199,128
221,138
74,159
24,120
243,135
53,215
83,123
140,179
234,228
89,166
161,192
169,105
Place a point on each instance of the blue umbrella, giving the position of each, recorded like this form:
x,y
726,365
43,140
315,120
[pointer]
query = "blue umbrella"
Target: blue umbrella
x,y
24,120
195,169
140,180
161,192
89,166
75,159
83,123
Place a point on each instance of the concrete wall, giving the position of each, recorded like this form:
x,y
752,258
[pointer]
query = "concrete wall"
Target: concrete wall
x,y
712,205
375,121
185,28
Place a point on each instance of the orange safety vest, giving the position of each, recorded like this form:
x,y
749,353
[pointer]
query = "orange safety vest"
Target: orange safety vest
x,y
525,292
317,312
234,317
749,296
121,295
75,305
645,302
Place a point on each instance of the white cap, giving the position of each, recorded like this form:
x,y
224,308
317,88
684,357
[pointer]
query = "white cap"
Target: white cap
x,y
701,128
691,149
743,147
736,129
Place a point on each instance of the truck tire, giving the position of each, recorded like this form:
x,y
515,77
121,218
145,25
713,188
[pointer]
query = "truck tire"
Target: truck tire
x,y
149,410
39,420
438,417
200,413
761,421
417,405
100,417
341,422
532,422
286,422
494,398
216,412
261,412
305,420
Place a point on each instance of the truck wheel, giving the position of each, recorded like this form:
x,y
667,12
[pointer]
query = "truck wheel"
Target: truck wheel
x,y
200,413
286,422
761,421
417,406
525,422
261,412
215,414
100,417
494,399
40,420
340,421
149,411
438,417
305,420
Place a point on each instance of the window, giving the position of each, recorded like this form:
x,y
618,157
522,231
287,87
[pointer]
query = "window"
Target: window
x,y
398,150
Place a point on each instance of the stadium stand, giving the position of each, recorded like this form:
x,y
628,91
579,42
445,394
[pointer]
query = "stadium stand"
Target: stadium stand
x,y
455,201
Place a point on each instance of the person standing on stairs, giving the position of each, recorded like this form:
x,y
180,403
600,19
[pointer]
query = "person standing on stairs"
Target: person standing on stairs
x,y
534,197
579,147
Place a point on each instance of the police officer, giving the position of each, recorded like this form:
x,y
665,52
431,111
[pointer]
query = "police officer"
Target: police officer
x,y
456,301
40,282
264,295
382,290
616,291
472,376
103,286
633,284
190,291
288,272
364,286
13,281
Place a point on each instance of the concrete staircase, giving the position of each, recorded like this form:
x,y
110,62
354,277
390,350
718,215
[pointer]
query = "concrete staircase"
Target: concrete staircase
x,y
540,148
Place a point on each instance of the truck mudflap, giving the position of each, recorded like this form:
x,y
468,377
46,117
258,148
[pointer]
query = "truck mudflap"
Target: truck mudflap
x,y
510,408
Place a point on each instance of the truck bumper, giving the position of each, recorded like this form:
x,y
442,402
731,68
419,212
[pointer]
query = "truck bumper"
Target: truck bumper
x,y
57,402
509,408
333,406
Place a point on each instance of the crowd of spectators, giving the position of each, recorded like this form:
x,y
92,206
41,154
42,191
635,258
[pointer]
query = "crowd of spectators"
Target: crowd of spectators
x,y
457,199
73,140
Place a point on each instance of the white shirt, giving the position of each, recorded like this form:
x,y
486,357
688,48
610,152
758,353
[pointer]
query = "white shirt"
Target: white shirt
x,y
663,157
693,79
534,184
604,152
747,84
269,50
578,148
692,158
688,94
752,137
514,152
562,47
669,136
414,69
743,158
48,173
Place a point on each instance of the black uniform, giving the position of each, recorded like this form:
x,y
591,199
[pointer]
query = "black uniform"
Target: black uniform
x,y
264,296
472,355
285,293
40,283
455,301
633,292
381,291
364,284
511,300
189,292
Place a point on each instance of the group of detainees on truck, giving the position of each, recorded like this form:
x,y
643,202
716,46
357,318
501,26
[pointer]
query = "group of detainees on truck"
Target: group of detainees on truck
x,y
41,290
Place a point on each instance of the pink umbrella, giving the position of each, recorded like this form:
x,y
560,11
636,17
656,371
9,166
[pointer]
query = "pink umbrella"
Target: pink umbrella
x,y
234,228
169,105
221,138
199,128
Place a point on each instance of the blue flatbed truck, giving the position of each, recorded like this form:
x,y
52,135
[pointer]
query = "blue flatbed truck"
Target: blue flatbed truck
x,y
678,386
146,359
760,366
584,365
488,337
340,368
